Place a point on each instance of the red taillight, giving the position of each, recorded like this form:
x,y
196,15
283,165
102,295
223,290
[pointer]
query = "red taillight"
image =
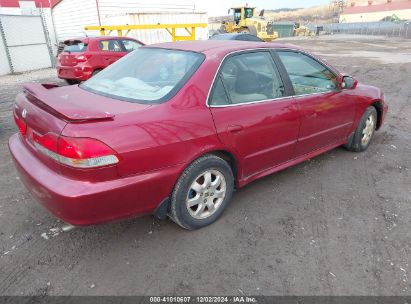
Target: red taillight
x,y
83,58
48,141
21,124
76,152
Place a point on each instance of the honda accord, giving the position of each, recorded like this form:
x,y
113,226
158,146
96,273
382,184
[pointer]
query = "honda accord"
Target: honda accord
x,y
173,129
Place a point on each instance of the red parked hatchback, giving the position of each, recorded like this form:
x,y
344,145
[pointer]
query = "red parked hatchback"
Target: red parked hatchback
x,y
82,58
172,129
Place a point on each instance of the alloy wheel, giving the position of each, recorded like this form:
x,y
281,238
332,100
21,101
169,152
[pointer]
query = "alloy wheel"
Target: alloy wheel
x,y
206,194
368,130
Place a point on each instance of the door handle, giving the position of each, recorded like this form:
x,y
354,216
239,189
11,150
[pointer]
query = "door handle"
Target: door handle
x,y
235,128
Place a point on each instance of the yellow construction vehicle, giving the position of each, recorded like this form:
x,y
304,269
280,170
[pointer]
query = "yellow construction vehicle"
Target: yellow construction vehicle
x,y
244,21
300,30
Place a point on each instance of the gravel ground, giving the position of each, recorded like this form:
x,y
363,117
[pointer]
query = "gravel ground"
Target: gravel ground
x,y
338,224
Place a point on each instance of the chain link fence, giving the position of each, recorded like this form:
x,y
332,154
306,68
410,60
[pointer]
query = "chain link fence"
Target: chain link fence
x,y
401,29
24,44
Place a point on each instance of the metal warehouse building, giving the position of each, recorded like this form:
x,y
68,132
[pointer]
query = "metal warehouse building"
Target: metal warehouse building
x,y
377,12
33,28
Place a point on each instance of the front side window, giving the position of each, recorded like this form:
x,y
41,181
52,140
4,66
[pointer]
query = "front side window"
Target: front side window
x,y
307,75
147,75
110,46
247,77
130,45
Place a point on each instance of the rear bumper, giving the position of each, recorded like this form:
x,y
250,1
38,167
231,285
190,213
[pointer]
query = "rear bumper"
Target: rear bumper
x,y
86,203
74,72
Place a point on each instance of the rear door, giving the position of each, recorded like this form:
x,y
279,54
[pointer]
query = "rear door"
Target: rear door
x,y
111,50
327,112
252,113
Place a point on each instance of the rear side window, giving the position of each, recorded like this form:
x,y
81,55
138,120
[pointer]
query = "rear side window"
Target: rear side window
x,y
307,75
74,46
219,96
110,46
130,45
246,78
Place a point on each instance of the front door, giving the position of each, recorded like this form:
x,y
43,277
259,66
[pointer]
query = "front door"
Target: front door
x,y
252,113
327,112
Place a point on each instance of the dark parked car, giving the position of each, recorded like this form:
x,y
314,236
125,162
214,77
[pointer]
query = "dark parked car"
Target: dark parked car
x,y
172,129
83,57
236,36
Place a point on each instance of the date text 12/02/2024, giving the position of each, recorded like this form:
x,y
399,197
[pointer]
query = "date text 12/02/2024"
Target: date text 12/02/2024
x,y
203,299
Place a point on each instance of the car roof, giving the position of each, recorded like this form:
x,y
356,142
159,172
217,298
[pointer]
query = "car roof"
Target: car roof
x,y
96,38
218,46
231,36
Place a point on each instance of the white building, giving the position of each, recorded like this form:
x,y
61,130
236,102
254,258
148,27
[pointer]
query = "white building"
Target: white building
x,y
395,9
71,16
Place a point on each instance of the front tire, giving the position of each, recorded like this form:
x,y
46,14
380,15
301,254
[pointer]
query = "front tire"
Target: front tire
x,y
249,30
202,193
364,132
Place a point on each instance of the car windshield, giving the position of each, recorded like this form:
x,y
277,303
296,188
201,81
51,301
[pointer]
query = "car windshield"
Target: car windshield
x,y
147,75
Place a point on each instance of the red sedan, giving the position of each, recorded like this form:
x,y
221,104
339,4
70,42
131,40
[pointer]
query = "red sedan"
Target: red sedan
x,y
82,58
172,129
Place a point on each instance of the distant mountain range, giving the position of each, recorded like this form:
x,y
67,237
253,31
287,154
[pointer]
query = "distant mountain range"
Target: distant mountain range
x,y
282,10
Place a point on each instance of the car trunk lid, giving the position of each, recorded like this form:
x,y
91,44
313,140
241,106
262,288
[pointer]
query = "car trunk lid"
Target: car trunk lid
x,y
63,104
44,108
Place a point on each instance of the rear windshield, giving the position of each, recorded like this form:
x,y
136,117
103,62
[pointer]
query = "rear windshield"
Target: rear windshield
x,y
74,46
147,75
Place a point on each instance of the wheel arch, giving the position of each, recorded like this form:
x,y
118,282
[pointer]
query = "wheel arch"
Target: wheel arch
x,y
162,209
377,104
98,68
230,159
229,156
252,29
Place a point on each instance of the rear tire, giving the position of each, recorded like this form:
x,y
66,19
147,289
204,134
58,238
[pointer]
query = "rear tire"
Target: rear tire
x,y
202,193
364,132
222,29
249,30
95,72
72,81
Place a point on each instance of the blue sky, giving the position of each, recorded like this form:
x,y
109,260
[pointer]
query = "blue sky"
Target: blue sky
x,y
220,7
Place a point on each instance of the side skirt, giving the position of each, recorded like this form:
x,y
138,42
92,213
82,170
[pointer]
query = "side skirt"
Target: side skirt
x,y
289,163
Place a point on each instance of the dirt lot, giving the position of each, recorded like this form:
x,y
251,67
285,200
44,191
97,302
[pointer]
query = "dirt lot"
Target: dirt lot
x,y
338,224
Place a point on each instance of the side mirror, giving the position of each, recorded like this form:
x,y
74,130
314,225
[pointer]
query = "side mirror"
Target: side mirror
x,y
348,82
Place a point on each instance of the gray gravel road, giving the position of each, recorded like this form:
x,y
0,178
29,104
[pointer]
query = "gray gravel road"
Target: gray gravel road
x,y
338,224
